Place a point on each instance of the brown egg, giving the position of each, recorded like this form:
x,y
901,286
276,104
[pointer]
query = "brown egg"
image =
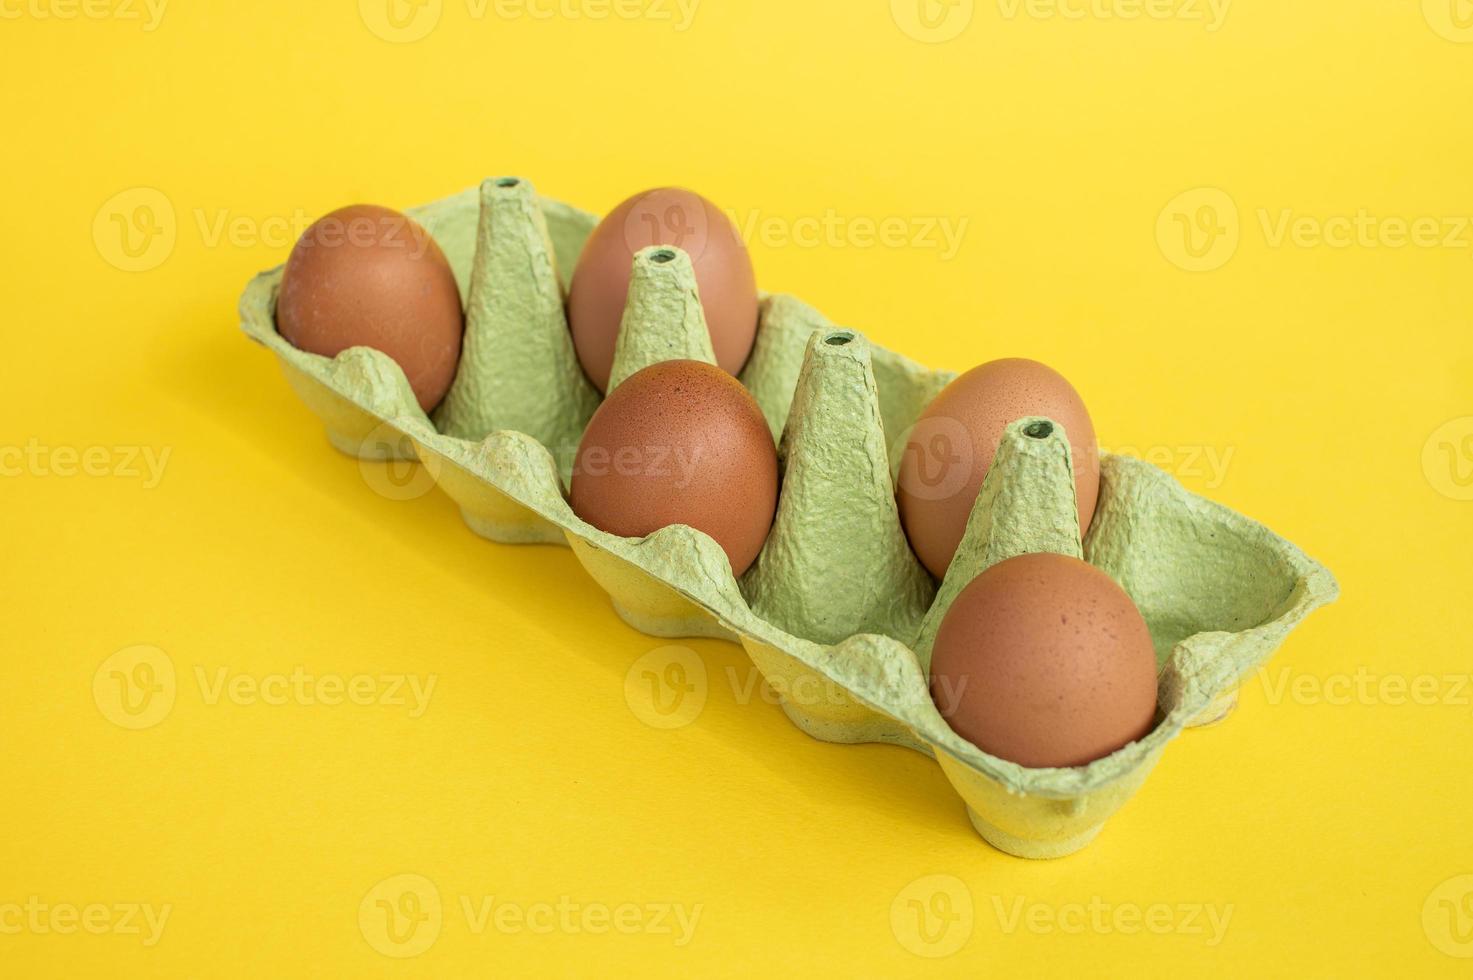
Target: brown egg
x,y
665,216
953,442
366,276
680,442
1044,661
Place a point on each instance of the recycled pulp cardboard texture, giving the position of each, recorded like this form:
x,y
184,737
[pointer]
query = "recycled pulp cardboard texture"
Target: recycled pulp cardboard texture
x,y
836,613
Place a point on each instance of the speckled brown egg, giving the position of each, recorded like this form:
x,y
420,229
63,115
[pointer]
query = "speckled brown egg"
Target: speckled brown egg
x,y
680,442
367,276
1044,661
953,443
665,216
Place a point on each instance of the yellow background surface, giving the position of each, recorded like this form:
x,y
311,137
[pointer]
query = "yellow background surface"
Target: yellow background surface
x,y
1299,357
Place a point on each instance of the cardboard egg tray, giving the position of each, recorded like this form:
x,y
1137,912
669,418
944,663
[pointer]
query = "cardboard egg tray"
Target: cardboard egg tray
x,y
837,614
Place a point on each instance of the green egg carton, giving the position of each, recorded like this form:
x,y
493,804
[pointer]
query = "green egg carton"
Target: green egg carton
x,y
836,613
